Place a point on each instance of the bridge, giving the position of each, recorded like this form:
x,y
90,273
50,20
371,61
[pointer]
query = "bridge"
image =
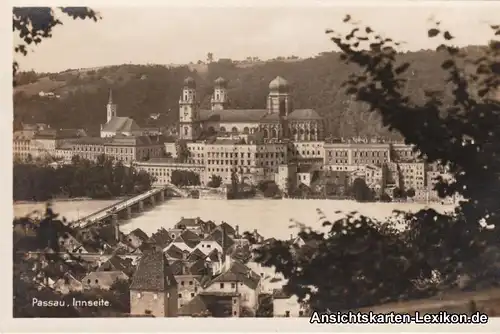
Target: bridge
x,y
126,208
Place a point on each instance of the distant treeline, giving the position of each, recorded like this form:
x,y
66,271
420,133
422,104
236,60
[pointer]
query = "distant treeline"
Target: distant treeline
x,y
143,90
81,178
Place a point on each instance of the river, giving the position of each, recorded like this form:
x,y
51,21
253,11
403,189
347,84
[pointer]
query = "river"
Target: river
x,y
271,218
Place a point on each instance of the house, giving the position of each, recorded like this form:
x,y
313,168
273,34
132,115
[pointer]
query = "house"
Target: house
x,y
234,277
154,289
212,304
186,241
116,263
228,229
68,242
136,238
175,253
188,223
189,277
223,238
285,305
102,279
196,255
161,238
270,279
208,244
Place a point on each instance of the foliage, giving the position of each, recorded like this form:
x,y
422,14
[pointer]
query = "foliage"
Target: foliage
x,y
360,191
82,178
410,193
215,181
184,178
352,263
269,188
33,24
183,152
265,309
316,84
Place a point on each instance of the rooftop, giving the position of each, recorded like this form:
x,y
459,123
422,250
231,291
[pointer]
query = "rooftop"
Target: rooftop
x,y
153,273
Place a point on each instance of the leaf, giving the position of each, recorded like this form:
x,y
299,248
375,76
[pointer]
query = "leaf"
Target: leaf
x,y
368,30
433,32
347,18
447,36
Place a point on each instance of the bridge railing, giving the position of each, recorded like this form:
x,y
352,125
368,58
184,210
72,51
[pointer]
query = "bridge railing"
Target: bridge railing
x,y
117,205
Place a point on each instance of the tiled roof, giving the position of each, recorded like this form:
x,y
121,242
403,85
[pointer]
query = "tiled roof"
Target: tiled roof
x,y
304,114
91,141
189,238
120,140
238,272
233,115
271,118
187,222
161,238
229,229
181,267
121,124
174,252
117,262
208,226
140,234
197,254
153,273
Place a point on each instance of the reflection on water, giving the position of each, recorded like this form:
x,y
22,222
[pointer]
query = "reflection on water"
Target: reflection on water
x,y
270,217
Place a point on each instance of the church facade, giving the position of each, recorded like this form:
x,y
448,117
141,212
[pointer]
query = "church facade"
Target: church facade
x,y
278,121
116,125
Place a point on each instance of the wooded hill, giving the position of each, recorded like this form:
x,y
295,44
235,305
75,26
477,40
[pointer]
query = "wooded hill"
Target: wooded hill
x,y
141,90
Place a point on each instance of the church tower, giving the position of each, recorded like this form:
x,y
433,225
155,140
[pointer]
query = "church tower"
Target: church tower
x,y
110,108
278,100
219,98
189,119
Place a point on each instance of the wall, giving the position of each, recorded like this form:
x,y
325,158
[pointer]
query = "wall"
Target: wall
x,y
282,305
248,296
152,301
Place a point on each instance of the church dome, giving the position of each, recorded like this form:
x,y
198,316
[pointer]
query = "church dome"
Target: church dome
x,y
279,84
220,82
189,82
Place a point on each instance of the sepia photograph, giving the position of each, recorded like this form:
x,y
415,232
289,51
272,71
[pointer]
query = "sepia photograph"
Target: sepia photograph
x,y
332,162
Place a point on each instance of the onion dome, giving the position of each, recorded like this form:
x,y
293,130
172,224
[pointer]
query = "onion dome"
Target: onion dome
x,y
189,83
279,85
220,82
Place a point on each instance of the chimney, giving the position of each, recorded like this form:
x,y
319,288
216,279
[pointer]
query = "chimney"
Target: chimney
x,y
117,231
291,237
237,229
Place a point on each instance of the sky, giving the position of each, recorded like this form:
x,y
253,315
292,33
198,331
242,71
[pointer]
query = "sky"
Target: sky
x,y
151,34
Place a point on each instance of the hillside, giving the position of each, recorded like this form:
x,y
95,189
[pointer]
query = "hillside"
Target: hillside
x,y
142,90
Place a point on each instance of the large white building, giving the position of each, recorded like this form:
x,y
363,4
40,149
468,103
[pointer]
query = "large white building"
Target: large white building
x,y
277,121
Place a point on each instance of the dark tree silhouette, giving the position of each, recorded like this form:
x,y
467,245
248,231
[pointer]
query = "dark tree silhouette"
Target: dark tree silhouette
x,y
353,263
34,24
215,181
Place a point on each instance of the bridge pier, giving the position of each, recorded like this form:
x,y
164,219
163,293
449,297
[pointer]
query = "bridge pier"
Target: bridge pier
x,y
128,212
114,219
162,196
153,200
141,206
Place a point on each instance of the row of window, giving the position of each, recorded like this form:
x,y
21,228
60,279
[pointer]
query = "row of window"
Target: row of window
x,y
242,162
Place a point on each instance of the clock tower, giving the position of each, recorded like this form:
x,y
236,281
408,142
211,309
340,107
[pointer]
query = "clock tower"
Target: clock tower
x,y
189,114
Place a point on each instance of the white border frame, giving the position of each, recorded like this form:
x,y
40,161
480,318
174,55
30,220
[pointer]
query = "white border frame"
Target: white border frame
x,y
269,325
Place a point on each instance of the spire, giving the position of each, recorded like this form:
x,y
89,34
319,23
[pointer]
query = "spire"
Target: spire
x,y
110,101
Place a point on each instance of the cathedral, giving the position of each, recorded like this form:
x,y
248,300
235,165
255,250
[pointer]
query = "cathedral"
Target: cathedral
x,y
278,121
